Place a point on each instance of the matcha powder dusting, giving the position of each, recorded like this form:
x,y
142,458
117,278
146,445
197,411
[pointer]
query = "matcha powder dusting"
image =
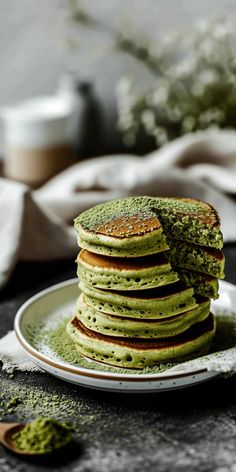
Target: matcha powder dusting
x,y
43,435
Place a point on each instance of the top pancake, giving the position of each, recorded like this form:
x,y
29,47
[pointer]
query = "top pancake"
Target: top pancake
x,y
123,218
137,221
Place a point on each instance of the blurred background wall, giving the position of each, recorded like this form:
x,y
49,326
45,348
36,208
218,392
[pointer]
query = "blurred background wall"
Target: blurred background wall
x,y
39,42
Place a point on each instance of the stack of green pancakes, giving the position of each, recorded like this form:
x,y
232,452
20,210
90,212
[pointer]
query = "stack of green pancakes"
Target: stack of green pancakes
x,y
148,269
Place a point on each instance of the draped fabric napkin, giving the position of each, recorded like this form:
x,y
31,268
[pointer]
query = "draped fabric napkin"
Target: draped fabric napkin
x,y
38,225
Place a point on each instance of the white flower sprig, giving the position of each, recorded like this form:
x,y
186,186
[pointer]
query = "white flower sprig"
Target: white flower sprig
x,y
194,85
194,78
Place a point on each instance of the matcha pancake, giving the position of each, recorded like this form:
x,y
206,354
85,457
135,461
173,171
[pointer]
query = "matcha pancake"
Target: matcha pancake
x,y
125,273
133,221
140,353
199,258
141,328
153,245
203,284
131,234
154,303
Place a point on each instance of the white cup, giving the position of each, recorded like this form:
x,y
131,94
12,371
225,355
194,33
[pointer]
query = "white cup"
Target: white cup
x,y
38,138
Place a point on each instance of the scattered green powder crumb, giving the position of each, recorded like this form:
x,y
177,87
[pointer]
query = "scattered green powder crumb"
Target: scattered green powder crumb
x,y
12,403
37,401
64,348
42,435
21,400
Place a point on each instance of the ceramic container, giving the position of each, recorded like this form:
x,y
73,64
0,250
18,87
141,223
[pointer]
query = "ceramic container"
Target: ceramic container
x,y
38,139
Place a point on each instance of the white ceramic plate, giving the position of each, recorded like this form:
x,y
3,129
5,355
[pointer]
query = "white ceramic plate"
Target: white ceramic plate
x,y
58,301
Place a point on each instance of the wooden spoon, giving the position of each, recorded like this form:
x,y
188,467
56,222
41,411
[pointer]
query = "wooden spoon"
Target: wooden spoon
x,y
6,432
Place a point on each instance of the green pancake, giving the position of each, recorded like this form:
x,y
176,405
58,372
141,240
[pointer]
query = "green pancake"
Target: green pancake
x,y
153,245
165,301
140,353
199,258
203,284
125,274
126,235
141,328
133,221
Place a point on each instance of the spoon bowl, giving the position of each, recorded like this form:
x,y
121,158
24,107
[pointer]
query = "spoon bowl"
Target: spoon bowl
x,y
6,432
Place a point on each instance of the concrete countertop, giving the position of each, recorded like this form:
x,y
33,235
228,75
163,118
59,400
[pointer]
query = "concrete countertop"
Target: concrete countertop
x,y
185,430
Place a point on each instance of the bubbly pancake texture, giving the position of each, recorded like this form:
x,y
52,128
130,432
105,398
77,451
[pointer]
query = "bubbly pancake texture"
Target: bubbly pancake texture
x,y
165,301
140,353
125,274
140,328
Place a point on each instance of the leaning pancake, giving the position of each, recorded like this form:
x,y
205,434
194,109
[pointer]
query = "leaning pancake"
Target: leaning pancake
x,y
140,328
125,274
139,353
154,303
199,258
133,221
203,284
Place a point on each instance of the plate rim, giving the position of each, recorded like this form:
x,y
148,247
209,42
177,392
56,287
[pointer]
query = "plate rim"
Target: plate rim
x,y
83,371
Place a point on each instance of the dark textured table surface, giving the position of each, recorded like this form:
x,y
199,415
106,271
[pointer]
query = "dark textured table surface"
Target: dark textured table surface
x,y
185,430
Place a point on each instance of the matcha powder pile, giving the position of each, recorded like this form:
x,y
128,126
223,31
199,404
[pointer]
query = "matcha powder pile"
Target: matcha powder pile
x,y
43,435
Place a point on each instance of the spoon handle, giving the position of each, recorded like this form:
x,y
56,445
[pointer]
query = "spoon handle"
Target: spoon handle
x,y
4,427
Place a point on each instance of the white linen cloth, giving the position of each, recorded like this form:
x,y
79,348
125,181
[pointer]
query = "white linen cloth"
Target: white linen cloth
x,y
37,225
13,357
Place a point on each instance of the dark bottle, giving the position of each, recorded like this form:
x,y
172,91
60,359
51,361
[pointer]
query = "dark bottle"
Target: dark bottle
x,y
90,122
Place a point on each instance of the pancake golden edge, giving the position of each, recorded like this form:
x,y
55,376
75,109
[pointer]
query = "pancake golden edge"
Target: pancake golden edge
x,y
137,354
